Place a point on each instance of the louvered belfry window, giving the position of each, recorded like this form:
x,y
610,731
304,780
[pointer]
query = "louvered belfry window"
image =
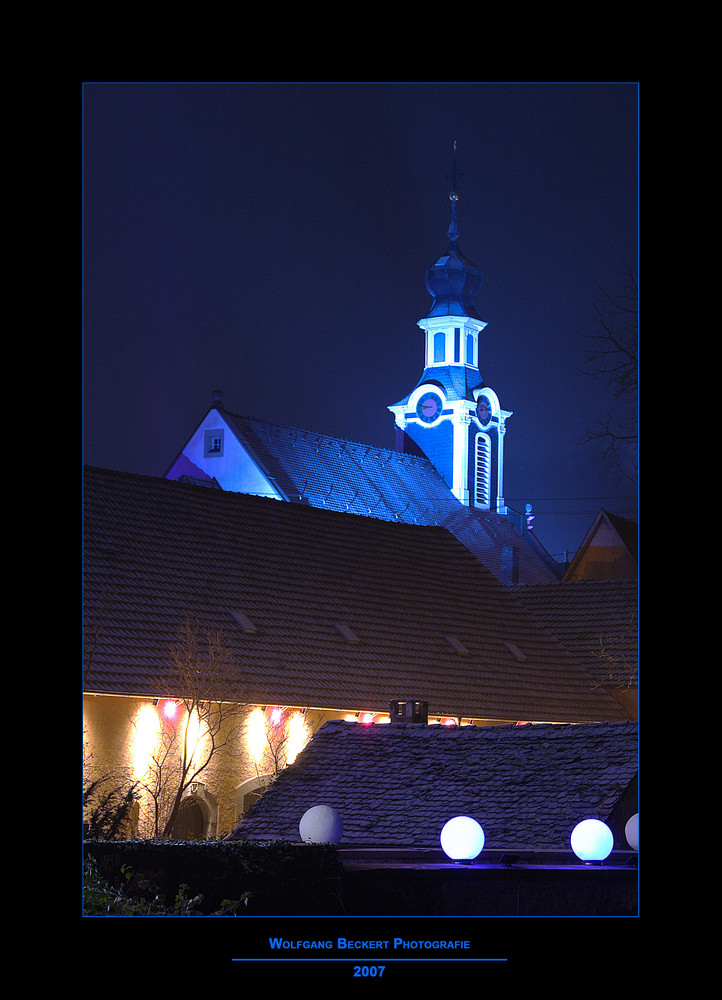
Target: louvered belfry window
x,y
483,471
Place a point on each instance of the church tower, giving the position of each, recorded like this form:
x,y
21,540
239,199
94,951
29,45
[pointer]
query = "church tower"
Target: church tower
x,y
451,417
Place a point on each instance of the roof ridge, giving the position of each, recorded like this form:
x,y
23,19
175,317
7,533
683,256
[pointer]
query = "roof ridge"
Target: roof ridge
x,y
321,435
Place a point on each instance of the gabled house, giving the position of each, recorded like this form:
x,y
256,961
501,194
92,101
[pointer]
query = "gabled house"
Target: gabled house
x,y
608,551
322,615
247,455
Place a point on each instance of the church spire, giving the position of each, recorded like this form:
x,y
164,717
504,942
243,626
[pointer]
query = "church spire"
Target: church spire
x,y
453,280
452,417
453,233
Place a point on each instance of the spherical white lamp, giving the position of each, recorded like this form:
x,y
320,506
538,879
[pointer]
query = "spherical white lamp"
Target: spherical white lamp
x,y
592,840
462,838
631,831
321,825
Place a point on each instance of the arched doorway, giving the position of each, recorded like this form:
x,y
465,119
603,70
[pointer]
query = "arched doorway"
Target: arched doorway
x,y
197,817
190,823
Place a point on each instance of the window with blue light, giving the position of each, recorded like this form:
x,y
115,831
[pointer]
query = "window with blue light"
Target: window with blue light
x,y
213,444
439,346
469,349
457,345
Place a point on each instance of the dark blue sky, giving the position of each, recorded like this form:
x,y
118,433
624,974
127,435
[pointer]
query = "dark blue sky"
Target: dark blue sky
x,y
270,240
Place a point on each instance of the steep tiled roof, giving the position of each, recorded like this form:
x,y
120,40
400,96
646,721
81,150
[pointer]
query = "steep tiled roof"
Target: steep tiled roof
x,y
159,552
396,785
595,619
345,476
608,551
628,531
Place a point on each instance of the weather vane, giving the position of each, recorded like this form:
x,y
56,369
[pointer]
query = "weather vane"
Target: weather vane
x,y
454,196
453,232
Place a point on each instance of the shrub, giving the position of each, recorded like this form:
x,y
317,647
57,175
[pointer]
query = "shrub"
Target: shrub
x,y
136,896
108,811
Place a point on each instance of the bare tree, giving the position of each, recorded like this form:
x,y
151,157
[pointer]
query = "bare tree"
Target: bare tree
x,y
278,742
617,654
162,773
206,680
277,736
614,359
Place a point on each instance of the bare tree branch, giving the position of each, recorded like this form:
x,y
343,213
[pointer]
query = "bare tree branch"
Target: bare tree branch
x,y
206,677
614,359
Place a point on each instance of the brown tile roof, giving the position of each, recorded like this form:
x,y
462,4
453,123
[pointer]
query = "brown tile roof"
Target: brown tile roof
x,y
596,619
158,552
396,785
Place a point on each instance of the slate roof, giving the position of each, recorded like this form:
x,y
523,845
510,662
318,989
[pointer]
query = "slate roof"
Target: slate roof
x,y
596,619
334,474
396,785
458,382
158,552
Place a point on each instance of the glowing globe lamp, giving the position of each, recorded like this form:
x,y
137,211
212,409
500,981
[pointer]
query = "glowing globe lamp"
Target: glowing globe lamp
x,y
169,709
462,839
631,831
592,840
321,825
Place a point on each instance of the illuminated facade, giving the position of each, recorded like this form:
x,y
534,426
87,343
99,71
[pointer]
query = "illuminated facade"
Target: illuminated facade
x,y
451,417
447,467
140,741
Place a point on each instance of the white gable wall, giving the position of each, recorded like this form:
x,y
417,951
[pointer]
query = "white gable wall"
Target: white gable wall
x,y
214,451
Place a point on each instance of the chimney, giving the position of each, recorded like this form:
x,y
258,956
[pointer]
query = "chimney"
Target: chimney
x,y
409,711
509,564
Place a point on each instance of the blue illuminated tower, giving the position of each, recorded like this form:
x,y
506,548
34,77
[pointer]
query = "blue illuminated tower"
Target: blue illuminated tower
x,y
452,417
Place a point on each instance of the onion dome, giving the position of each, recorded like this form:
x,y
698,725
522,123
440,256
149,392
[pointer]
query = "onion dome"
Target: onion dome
x,y
453,281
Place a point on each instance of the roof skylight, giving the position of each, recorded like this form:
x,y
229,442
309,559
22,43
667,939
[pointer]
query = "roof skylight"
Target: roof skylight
x,y
244,621
345,632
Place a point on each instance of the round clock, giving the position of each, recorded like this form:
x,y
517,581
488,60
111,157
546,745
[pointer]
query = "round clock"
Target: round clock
x,y
429,407
483,410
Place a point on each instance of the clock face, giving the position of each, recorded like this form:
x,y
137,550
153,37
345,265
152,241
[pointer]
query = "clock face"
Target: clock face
x,y
483,411
429,407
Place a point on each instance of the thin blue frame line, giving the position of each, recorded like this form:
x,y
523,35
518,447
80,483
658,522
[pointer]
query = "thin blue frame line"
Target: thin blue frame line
x,y
369,961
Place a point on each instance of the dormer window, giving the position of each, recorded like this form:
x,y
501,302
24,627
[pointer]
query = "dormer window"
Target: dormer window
x,y
213,444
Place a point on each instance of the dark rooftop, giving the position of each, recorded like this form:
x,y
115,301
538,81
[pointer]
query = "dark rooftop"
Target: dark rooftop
x,y
286,584
396,785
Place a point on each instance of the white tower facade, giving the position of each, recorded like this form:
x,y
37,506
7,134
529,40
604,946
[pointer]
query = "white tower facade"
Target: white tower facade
x,y
451,417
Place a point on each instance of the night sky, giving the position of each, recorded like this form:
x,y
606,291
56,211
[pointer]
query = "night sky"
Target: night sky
x,y
270,241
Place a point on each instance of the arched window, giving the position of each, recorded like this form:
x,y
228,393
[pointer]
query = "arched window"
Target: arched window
x,y
439,346
249,792
482,474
